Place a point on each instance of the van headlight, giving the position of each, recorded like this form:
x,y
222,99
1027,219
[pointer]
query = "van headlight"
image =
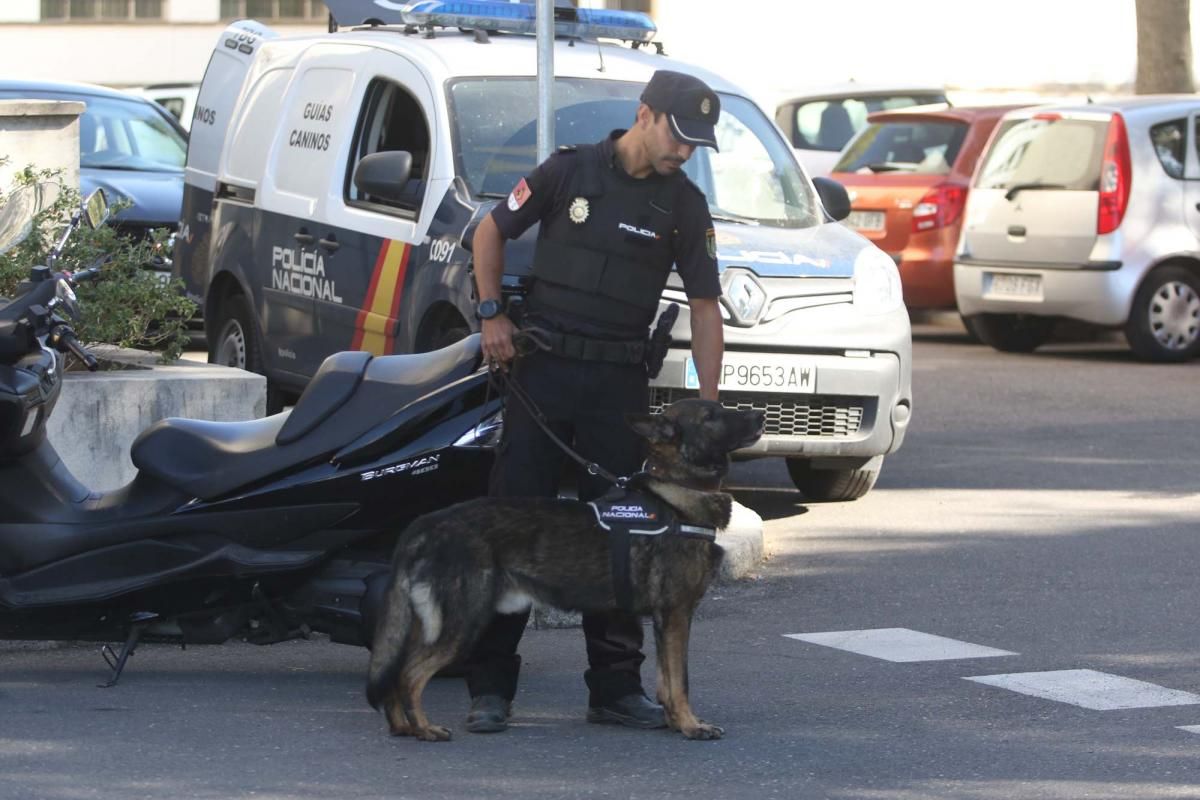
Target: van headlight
x,y
876,282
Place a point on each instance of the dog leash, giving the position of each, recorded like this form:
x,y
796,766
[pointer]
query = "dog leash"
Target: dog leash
x,y
518,391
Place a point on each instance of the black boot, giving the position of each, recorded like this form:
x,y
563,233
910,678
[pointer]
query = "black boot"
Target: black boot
x,y
633,711
489,714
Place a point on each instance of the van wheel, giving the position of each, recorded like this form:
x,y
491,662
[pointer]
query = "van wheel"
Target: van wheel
x,y
1164,324
833,485
1011,333
237,344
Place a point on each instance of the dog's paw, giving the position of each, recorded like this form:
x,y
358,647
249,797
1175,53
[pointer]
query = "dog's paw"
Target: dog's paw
x,y
704,731
433,733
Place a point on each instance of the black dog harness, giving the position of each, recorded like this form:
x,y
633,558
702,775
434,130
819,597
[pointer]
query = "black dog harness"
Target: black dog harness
x,y
625,512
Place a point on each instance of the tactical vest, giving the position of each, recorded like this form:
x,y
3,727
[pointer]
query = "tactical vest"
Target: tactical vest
x,y
607,255
624,512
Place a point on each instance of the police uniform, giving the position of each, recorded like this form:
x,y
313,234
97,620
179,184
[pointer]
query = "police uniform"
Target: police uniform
x,y
605,249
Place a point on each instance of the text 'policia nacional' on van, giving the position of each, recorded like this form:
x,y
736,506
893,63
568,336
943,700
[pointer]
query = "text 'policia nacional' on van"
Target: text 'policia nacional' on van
x,y
333,182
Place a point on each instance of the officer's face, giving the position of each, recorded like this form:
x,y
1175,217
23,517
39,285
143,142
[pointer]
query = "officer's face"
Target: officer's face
x,y
667,154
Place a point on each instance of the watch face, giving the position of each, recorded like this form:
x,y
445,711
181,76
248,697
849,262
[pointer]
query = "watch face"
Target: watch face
x,y
489,308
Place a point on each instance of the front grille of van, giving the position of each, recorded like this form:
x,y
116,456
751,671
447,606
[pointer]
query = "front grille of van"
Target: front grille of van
x,y
807,415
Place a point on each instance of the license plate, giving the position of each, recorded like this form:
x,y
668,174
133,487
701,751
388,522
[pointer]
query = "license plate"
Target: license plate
x,y
1002,284
866,220
749,372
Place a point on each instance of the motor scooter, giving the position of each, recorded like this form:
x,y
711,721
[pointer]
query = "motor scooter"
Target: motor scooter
x,y
266,529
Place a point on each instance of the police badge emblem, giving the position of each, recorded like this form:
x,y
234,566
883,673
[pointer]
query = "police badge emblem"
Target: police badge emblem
x,y
705,106
578,212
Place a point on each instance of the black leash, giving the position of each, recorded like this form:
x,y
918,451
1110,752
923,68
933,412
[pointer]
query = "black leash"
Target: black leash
x,y
517,391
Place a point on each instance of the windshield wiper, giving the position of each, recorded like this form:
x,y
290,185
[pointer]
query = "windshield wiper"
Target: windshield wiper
x,y
889,166
725,216
1020,187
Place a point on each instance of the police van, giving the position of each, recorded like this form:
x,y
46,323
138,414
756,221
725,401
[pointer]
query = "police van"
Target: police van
x,y
333,182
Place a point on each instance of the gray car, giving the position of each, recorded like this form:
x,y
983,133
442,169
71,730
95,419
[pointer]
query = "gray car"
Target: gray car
x,y
1090,213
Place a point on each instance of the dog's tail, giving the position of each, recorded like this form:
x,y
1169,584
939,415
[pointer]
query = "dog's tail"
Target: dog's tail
x,y
391,637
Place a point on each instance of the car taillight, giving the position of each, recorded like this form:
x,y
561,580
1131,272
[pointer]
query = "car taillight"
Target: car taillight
x,y
1115,177
940,207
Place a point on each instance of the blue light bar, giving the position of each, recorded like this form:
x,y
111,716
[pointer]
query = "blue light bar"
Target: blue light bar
x,y
495,15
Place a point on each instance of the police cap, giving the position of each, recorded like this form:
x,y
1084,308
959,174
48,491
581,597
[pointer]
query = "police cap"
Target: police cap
x,y
687,101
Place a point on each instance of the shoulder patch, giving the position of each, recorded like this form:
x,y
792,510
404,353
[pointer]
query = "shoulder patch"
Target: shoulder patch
x,y
519,195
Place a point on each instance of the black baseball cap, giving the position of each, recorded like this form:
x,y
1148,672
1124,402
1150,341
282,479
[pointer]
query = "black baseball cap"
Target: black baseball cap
x,y
690,105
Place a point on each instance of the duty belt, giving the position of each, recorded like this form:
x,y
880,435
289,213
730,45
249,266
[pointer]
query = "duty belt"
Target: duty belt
x,y
626,351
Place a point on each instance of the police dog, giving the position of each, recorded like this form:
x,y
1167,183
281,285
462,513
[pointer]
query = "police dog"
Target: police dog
x,y
454,568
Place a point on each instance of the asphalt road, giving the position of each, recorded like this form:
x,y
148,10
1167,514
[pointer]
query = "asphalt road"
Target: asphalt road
x,y
1044,506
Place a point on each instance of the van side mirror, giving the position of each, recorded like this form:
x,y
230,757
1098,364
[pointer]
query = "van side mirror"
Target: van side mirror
x,y
833,197
384,175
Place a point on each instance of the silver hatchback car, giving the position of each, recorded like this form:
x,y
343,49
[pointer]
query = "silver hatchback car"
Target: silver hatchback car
x,y
1090,213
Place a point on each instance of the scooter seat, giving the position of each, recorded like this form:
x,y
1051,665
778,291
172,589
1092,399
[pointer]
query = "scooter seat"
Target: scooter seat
x,y
212,459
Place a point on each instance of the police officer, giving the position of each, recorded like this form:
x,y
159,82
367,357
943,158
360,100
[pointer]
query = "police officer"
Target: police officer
x,y
615,217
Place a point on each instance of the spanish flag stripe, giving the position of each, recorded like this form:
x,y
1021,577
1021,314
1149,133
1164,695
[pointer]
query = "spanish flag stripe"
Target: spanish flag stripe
x,y
361,322
394,312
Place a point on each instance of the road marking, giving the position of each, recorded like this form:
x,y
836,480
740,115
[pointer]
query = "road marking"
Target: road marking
x,y
900,645
1189,728
1088,688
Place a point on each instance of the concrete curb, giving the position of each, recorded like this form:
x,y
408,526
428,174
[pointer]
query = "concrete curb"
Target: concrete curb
x,y
743,545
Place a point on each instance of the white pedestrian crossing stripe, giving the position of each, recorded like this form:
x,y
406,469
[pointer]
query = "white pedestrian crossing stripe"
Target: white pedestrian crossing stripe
x,y
900,645
1189,728
1088,688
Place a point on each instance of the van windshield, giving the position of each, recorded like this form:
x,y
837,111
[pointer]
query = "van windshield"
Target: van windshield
x,y
753,179
1047,151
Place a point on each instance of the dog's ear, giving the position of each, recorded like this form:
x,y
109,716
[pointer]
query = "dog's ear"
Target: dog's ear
x,y
653,427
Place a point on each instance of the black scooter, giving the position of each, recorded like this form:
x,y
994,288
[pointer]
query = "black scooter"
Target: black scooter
x,y
266,529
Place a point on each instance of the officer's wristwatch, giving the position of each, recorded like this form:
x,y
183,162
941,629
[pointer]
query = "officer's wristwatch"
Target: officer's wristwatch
x,y
489,309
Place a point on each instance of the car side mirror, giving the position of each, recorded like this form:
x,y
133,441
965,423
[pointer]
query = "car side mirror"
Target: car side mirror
x,y
95,209
833,197
384,175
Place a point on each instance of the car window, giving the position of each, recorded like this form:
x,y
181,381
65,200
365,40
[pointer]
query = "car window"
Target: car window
x,y
391,119
174,105
1045,150
119,134
921,147
754,177
830,124
1168,139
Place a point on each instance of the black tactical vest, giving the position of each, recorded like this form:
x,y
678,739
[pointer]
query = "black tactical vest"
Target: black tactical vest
x,y
607,255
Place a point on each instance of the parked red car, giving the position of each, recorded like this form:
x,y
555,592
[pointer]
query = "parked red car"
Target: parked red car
x,y
907,174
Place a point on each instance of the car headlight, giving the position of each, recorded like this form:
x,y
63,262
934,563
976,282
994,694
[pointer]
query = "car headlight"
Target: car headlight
x,y
876,282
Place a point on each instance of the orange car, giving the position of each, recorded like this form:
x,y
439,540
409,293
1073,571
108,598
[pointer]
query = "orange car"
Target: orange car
x,y
907,174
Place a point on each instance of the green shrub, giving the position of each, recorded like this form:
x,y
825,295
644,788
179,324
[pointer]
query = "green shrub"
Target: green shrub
x,y
129,306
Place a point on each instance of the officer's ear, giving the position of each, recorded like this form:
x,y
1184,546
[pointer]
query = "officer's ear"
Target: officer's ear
x,y
653,427
645,116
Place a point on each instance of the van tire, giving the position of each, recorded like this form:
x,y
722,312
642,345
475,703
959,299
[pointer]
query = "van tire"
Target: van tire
x,y
236,343
1164,323
1011,333
833,485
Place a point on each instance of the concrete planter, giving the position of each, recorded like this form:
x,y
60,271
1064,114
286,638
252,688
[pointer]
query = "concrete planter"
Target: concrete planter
x,y
99,414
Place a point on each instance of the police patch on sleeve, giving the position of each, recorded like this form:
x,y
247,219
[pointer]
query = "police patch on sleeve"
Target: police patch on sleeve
x,y
710,242
519,195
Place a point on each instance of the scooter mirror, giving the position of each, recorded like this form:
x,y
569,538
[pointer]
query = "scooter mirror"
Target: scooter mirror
x,y
95,208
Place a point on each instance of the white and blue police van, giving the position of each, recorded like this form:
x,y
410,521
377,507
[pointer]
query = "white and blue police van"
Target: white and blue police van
x,y
333,181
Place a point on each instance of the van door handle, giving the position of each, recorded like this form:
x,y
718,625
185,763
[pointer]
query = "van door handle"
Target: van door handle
x,y
330,244
1016,230
303,236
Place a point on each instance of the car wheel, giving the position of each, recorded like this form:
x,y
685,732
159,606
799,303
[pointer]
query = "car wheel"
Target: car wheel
x,y
833,485
1164,324
1011,333
237,345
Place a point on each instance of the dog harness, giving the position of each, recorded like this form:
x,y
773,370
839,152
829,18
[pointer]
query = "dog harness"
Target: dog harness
x,y
626,512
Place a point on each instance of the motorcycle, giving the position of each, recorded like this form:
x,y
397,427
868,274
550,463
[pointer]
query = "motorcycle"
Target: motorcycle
x,y
267,529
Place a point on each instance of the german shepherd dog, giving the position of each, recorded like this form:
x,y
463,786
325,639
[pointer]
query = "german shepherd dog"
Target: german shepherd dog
x,y
454,568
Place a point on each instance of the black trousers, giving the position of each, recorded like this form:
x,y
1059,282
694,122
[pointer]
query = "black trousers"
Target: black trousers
x,y
585,403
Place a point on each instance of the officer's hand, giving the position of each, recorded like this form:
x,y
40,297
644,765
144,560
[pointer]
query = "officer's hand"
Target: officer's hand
x,y
498,339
